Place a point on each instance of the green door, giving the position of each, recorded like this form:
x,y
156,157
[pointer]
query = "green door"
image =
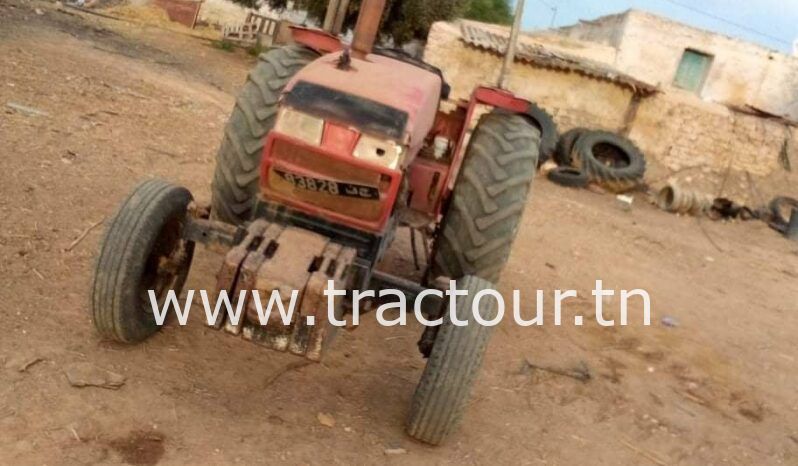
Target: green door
x,y
693,70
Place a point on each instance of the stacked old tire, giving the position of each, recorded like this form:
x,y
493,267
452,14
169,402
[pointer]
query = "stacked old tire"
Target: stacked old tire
x,y
604,158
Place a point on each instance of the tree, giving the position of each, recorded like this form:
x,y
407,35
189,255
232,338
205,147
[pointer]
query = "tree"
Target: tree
x,y
405,20
489,11
402,21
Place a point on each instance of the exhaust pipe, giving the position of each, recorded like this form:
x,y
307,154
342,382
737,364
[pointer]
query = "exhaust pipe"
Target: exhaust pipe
x,y
367,27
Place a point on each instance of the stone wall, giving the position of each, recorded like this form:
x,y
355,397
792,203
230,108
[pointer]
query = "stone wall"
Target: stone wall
x,y
702,144
699,134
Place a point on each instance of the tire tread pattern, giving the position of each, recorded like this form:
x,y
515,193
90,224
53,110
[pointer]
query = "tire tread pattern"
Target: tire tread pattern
x,y
442,394
615,179
489,198
132,232
235,180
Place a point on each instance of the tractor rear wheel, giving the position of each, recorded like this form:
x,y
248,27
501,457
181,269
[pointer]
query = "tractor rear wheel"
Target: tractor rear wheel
x,y
489,197
452,368
142,250
235,181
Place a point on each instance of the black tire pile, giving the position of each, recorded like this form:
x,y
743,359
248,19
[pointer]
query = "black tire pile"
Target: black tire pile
x,y
586,156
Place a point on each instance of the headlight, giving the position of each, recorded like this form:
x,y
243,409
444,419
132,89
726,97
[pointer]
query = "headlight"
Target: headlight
x,y
300,125
380,151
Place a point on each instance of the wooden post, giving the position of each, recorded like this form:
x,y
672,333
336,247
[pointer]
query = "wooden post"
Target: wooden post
x,y
329,17
509,56
343,6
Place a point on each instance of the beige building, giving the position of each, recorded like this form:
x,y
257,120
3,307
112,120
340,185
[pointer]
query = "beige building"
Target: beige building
x,y
713,66
717,144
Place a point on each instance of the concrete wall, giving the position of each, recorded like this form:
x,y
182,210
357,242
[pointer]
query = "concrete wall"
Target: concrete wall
x,y
698,142
651,47
607,30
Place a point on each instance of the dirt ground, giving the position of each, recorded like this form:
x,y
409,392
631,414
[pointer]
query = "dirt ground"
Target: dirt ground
x,y
122,103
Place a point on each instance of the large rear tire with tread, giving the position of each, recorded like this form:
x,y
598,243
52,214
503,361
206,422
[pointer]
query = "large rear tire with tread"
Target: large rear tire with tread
x,y
442,393
489,197
142,250
235,181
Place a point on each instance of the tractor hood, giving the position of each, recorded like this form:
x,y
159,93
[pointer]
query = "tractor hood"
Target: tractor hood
x,y
404,97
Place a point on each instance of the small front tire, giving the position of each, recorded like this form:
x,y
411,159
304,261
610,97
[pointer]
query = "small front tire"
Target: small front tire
x,y
142,250
442,393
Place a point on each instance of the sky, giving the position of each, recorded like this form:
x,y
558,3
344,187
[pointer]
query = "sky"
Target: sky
x,y
772,23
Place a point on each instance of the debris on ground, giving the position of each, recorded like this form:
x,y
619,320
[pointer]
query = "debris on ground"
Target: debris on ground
x,y
781,211
580,372
548,166
625,202
83,235
569,177
675,199
723,209
598,158
645,454
23,363
395,451
326,419
84,374
294,365
30,111
669,321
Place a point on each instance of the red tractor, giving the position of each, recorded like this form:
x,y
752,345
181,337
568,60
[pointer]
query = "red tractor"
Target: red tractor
x,y
330,148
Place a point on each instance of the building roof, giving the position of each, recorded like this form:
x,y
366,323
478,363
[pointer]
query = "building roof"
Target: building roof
x,y
494,39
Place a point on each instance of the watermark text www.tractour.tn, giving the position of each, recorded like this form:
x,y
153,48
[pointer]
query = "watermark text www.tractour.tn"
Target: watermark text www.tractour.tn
x,y
398,308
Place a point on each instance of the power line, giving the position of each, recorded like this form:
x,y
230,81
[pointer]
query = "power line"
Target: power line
x,y
553,8
729,22
585,7
548,5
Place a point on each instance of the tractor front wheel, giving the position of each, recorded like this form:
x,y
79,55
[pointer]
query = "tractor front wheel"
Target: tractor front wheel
x,y
489,197
453,365
142,250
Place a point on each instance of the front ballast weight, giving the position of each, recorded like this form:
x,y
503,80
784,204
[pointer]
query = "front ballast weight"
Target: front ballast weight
x,y
288,263
294,264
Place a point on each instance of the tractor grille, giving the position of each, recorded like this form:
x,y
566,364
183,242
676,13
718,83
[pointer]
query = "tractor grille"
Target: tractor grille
x,y
326,184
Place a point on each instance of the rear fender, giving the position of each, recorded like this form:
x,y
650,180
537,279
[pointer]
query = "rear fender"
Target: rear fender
x,y
431,193
316,39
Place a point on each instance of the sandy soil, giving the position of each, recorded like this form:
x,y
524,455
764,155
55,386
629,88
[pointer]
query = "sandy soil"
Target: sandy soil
x,y
124,103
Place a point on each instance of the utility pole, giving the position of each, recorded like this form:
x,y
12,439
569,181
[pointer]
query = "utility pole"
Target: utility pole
x,y
509,56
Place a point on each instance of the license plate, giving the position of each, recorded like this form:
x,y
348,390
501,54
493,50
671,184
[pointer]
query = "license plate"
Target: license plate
x,y
335,188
